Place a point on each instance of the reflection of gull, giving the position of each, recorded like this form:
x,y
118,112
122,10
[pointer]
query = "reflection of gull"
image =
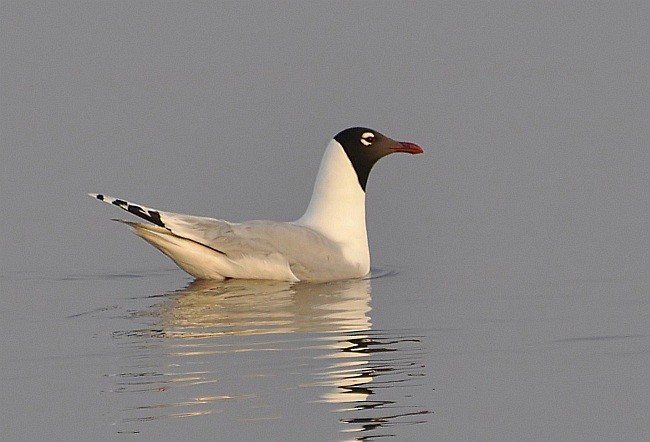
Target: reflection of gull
x,y
255,342
245,307
207,309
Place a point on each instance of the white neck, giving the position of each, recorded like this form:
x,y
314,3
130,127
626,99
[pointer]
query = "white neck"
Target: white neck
x,y
338,205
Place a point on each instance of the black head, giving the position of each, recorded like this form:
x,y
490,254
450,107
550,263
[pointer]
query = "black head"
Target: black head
x,y
366,146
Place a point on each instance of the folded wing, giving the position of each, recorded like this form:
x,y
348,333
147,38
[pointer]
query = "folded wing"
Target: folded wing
x,y
254,249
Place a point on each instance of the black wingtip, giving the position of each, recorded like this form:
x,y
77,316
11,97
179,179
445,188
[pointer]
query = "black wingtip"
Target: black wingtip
x,y
150,215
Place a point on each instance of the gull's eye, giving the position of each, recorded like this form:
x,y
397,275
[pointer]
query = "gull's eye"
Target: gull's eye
x,y
367,138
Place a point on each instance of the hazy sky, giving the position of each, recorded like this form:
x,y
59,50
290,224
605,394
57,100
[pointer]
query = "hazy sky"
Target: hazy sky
x,y
534,118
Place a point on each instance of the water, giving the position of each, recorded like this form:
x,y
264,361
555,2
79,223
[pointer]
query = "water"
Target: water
x,y
268,357
124,355
257,360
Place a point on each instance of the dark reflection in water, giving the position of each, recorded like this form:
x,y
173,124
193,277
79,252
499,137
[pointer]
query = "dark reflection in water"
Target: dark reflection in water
x,y
217,344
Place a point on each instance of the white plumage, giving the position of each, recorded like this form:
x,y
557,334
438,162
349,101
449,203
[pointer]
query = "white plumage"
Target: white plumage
x,y
329,242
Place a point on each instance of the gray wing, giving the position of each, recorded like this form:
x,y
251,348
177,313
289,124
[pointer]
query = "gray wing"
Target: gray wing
x,y
309,253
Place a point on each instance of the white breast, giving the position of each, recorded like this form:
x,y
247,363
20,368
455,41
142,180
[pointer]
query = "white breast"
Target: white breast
x,y
338,207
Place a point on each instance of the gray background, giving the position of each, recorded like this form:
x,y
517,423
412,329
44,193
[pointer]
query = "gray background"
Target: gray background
x,y
524,224
534,118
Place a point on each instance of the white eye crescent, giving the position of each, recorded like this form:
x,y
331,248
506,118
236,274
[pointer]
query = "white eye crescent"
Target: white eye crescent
x,y
367,138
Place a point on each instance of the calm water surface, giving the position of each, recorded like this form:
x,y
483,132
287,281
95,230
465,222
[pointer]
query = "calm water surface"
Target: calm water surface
x,y
238,360
154,356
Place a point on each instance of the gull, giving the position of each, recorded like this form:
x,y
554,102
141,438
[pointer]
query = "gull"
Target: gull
x,y
329,242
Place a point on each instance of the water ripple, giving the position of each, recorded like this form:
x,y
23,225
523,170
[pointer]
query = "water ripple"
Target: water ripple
x,y
243,348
